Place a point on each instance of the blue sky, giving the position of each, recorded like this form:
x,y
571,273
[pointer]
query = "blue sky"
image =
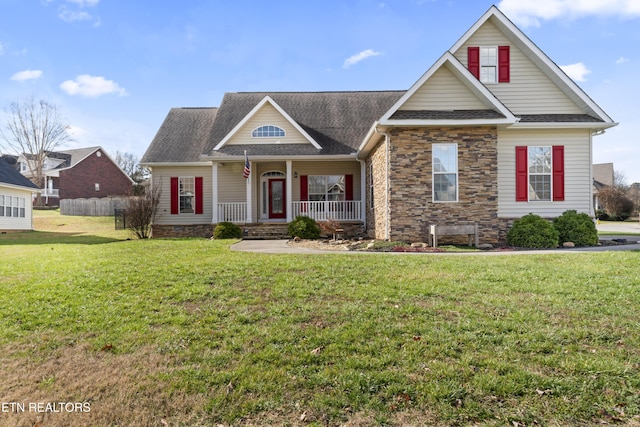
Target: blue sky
x,y
115,68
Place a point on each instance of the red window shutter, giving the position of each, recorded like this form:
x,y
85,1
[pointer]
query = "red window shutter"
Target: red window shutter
x,y
304,192
175,198
199,204
504,64
348,183
473,61
558,173
522,184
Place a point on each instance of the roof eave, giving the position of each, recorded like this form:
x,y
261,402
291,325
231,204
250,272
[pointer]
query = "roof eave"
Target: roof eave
x,y
470,122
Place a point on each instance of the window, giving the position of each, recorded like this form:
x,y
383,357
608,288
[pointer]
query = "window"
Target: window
x,y
7,206
540,173
268,131
97,186
22,206
187,194
539,167
445,172
488,64
331,188
1,205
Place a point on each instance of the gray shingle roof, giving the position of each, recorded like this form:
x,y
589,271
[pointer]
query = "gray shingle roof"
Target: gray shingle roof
x,y
9,175
337,121
182,136
558,118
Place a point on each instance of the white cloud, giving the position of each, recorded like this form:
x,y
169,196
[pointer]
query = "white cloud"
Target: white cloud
x,y
530,12
74,16
91,86
622,60
85,3
352,60
577,72
21,76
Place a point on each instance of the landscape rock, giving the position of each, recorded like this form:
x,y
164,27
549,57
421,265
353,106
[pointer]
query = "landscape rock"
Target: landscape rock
x,y
568,245
485,246
419,245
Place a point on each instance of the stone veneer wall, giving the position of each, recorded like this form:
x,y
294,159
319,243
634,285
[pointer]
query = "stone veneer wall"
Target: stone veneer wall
x,y
411,200
376,216
194,230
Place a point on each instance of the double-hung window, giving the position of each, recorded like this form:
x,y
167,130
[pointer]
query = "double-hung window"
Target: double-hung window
x,y
1,205
187,194
489,64
539,173
445,172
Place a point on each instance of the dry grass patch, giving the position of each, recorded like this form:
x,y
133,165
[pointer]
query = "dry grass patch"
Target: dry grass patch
x,y
111,389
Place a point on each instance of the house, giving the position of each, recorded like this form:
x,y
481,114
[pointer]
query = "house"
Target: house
x,y
16,196
494,130
80,173
603,176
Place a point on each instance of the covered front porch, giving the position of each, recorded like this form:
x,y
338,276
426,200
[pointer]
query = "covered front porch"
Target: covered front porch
x,y
278,192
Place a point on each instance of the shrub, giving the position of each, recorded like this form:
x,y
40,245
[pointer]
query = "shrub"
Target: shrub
x,y
532,231
227,230
577,228
304,228
141,212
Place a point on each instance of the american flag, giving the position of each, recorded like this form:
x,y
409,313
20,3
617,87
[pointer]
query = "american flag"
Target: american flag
x,y
247,166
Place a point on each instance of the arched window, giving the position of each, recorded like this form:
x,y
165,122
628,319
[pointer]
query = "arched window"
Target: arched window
x,y
268,131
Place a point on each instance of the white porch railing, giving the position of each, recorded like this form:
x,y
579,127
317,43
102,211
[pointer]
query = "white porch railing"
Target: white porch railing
x,y
50,192
325,210
232,212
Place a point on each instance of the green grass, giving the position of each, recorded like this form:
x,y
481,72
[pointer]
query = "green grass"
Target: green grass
x,y
192,333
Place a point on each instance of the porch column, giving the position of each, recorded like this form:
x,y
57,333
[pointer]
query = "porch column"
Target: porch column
x,y
363,191
289,191
214,193
249,197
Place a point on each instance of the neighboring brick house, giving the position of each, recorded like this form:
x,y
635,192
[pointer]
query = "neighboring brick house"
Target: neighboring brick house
x,y
80,173
494,130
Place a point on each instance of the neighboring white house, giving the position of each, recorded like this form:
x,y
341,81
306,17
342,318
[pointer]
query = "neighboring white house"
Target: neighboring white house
x,y
16,198
494,130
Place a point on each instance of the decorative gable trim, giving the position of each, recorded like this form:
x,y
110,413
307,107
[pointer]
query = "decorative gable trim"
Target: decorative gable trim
x,y
254,111
466,78
537,56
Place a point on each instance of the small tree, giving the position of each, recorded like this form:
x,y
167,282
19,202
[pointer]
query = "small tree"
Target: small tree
x,y
129,164
615,203
141,212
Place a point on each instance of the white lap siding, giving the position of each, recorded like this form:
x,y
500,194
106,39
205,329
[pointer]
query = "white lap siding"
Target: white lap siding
x,y
577,171
16,222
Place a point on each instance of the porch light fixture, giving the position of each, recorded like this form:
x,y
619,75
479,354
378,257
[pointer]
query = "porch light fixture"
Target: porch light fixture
x,y
295,174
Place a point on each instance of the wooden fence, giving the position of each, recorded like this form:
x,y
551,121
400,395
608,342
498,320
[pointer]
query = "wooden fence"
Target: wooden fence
x,y
92,207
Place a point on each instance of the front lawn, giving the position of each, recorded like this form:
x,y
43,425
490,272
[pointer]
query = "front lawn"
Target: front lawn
x,y
187,332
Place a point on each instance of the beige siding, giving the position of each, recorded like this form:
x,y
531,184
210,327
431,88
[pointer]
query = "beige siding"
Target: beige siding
x,y
162,176
232,186
530,91
267,115
577,167
13,223
443,91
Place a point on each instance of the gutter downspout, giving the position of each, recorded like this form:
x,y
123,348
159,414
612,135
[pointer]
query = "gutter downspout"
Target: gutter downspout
x,y
363,191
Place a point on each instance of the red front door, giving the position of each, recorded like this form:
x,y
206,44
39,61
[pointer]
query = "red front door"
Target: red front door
x,y
277,198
